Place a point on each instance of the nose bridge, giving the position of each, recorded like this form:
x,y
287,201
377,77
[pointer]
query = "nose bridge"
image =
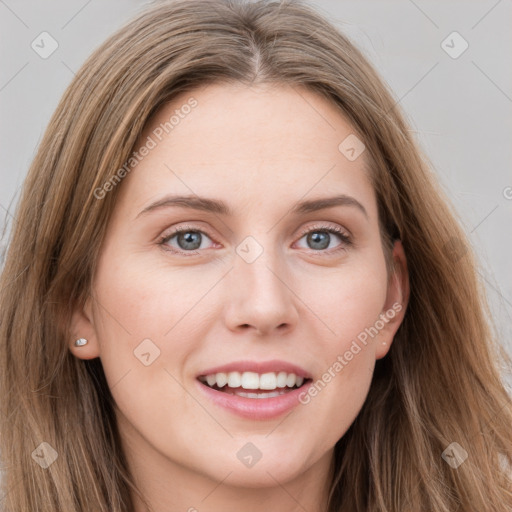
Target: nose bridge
x,y
260,294
258,264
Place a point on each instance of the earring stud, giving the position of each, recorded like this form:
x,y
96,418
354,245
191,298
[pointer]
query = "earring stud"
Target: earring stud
x,y
80,342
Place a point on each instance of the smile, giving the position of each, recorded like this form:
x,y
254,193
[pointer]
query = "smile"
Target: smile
x,y
236,383
255,394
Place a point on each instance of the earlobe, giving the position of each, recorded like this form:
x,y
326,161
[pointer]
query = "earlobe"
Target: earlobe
x,y
83,343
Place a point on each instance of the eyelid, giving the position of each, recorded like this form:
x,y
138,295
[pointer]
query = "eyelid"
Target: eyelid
x,y
325,227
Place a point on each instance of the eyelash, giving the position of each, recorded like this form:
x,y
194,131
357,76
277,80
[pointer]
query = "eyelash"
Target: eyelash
x,y
345,239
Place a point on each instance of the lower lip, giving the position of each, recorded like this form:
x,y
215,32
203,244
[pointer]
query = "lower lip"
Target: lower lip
x,y
255,408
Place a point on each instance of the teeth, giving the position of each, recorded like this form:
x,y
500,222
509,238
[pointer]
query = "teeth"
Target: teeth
x,y
234,379
252,380
281,379
290,380
268,381
220,378
271,394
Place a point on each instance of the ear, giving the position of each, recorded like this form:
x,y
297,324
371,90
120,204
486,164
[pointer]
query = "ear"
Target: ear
x,y
82,326
397,299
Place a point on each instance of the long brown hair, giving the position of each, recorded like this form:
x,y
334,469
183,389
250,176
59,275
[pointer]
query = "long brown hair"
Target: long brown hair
x,y
440,382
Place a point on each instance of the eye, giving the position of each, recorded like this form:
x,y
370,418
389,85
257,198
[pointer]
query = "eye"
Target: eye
x,y
188,240
319,237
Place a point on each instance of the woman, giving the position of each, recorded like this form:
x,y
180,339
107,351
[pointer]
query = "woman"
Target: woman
x,y
234,283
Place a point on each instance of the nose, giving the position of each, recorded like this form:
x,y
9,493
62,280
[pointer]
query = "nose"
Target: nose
x,y
259,297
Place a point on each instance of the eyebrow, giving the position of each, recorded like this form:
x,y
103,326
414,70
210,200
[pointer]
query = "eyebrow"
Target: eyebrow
x,y
195,202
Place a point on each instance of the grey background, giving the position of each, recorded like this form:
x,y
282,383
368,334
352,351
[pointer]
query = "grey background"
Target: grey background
x,y
459,109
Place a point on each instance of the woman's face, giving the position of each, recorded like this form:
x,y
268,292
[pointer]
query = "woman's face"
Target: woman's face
x,y
278,279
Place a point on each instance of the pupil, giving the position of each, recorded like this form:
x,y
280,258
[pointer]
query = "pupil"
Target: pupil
x,y
190,239
319,237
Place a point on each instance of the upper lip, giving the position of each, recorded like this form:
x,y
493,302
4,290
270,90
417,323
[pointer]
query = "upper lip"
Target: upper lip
x,y
258,367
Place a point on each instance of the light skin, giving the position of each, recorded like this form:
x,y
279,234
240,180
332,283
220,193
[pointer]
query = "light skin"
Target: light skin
x,y
260,150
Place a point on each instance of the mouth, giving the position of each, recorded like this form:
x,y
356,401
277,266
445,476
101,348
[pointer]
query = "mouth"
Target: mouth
x,y
256,391
254,385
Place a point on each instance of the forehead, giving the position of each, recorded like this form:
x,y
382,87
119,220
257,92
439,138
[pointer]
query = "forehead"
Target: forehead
x,y
259,144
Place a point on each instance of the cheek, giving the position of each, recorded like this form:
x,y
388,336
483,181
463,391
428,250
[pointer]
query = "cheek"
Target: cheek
x,y
347,300
348,304
138,301
143,320
146,337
